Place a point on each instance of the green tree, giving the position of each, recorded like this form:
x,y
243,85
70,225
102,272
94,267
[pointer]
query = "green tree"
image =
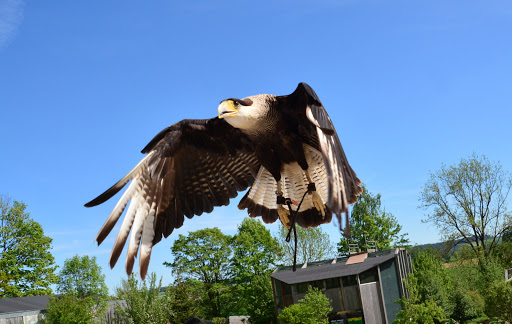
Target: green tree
x,y
472,278
259,300
185,296
507,235
313,244
27,267
82,276
255,251
204,255
144,305
369,222
432,281
458,288
468,201
255,299
81,280
312,309
255,255
504,254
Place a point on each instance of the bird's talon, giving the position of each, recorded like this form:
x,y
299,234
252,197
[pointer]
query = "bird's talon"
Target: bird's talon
x,y
283,216
318,203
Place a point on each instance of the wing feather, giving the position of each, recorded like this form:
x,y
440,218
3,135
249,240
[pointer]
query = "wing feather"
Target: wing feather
x,y
124,231
148,235
190,168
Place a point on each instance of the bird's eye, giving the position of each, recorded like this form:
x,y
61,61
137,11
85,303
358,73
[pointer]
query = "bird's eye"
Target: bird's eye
x,y
236,102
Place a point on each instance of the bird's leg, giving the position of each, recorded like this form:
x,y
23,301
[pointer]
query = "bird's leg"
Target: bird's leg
x,y
282,211
315,197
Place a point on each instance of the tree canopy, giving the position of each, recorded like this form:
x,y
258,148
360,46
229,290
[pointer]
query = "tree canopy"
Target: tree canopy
x,y
255,255
468,202
82,276
227,275
368,221
204,255
83,292
255,251
27,267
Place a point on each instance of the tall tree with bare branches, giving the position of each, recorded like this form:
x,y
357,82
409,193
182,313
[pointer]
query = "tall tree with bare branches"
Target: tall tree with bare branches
x,y
468,202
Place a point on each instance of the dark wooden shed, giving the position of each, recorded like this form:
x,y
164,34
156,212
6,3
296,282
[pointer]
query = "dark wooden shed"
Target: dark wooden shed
x,y
365,284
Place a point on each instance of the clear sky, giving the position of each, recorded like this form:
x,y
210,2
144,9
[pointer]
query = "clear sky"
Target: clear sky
x,y
84,85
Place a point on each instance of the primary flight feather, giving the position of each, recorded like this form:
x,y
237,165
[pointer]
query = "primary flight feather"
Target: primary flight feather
x,y
278,146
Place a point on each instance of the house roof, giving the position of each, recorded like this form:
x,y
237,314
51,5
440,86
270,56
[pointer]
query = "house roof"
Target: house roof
x,y
19,304
328,270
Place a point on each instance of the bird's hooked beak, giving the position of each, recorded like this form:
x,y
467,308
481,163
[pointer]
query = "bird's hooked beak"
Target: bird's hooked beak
x,y
227,108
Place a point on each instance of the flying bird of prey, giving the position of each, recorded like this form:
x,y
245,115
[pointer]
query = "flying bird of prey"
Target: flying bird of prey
x,y
283,148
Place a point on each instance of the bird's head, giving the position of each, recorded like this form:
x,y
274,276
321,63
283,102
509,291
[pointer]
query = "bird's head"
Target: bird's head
x,y
242,113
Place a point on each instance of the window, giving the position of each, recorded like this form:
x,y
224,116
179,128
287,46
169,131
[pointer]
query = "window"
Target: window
x,y
368,276
349,281
301,287
277,284
318,284
332,283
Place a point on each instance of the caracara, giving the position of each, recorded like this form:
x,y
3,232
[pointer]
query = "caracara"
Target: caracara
x,y
283,148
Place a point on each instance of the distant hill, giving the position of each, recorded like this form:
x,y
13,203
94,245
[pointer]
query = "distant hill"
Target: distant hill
x,y
447,247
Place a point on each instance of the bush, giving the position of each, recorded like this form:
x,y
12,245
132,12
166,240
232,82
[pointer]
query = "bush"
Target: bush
x,y
143,301
416,310
468,304
422,313
184,301
499,300
69,309
313,309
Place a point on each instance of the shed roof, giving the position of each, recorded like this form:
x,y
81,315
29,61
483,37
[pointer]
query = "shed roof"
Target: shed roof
x,y
332,270
19,304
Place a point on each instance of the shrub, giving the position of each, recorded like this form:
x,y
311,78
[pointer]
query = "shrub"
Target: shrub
x,y
69,309
415,310
468,304
184,301
312,309
143,301
422,313
499,300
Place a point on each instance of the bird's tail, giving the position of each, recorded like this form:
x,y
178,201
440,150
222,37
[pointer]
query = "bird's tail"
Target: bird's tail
x,y
260,200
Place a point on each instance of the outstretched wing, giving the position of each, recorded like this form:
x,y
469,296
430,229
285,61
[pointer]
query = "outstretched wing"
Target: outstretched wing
x,y
343,184
190,167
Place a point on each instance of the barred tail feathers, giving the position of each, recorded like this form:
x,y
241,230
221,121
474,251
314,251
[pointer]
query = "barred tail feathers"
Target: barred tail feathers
x,y
260,200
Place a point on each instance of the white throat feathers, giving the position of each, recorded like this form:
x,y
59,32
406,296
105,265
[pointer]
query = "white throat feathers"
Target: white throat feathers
x,y
253,118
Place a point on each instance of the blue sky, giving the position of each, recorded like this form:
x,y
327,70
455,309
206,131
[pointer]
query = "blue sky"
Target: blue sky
x,y
84,86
